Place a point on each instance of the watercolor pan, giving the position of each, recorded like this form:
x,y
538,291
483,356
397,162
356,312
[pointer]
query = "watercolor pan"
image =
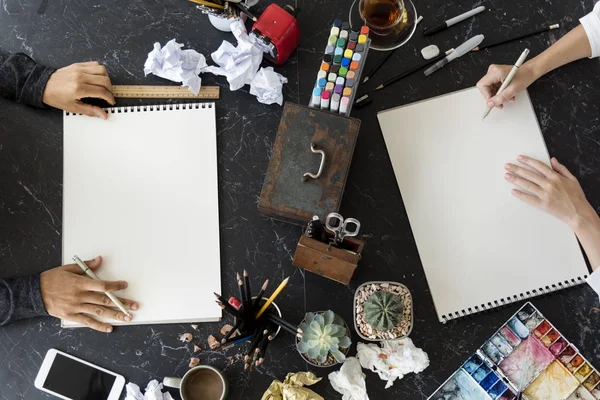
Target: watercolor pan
x,y
592,381
542,329
528,351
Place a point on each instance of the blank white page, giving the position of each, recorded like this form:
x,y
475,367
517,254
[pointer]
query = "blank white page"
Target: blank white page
x,y
141,190
479,245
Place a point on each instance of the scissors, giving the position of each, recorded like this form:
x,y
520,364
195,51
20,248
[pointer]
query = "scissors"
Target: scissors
x,y
340,226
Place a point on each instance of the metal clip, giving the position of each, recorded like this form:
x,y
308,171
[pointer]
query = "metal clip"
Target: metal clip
x,y
321,167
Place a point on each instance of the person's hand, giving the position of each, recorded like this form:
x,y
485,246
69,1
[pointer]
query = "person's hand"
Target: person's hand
x,y
491,82
69,294
69,85
554,190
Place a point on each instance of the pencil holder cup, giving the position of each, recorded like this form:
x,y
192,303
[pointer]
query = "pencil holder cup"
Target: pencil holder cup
x,y
272,307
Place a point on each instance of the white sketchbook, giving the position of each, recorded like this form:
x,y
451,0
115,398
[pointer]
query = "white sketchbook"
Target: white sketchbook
x,y
141,190
480,246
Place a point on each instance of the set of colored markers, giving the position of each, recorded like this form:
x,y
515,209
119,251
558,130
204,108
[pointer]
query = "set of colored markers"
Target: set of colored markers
x,y
338,77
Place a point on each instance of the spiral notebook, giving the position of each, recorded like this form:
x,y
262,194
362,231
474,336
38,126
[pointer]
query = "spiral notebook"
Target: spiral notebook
x,y
141,190
479,245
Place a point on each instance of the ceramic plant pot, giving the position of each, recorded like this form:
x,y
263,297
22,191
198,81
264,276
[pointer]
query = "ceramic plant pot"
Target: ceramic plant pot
x,y
330,360
366,331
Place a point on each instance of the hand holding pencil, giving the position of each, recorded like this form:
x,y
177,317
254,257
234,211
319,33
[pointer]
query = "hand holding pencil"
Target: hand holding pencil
x,y
490,84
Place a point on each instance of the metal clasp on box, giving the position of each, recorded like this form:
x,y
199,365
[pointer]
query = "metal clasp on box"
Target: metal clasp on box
x,y
321,166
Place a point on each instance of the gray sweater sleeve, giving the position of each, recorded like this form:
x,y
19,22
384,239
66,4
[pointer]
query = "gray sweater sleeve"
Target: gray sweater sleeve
x,y
20,298
22,79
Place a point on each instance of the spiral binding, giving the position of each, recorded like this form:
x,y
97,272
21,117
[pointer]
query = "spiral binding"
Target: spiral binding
x,y
160,107
513,299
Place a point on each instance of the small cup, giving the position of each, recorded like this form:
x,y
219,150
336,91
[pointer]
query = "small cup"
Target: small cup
x,y
273,305
202,382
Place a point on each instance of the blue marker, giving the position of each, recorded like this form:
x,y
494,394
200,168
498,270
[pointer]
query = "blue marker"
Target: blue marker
x,y
346,62
321,83
337,23
316,97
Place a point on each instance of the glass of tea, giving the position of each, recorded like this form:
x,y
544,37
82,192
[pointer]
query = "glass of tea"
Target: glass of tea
x,y
383,16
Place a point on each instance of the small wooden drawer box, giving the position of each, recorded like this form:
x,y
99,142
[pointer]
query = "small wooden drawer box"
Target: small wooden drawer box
x,y
328,261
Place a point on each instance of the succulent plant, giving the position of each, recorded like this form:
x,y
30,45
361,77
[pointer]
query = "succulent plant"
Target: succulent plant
x,y
322,336
383,310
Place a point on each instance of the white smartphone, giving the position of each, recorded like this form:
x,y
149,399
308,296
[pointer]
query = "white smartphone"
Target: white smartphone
x,y
70,378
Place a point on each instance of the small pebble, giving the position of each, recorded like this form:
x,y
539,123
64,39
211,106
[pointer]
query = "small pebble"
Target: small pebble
x,y
194,361
225,329
213,343
196,348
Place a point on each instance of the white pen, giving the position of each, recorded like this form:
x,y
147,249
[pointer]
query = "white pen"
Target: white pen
x,y
453,21
92,275
509,78
459,52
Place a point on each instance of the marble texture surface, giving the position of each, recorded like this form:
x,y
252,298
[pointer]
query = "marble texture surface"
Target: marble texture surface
x,y
121,33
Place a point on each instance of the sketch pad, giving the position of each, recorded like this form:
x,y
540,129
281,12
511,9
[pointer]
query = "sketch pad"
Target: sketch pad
x,y
140,189
479,245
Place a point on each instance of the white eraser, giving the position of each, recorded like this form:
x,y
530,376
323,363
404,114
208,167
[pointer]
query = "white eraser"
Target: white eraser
x,y
430,52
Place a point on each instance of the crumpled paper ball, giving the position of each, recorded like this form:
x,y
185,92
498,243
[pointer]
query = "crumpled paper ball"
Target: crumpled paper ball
x,y
393,359
292,388
349,381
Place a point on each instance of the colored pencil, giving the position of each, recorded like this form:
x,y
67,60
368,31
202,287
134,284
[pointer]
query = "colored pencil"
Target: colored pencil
x,y
228,308
283,323
234,342
243,297
260,295
235,328
538,31
208,4
272,298
248,290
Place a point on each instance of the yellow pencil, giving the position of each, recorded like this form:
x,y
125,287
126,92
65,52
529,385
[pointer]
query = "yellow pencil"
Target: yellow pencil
x,y
208,4
272,298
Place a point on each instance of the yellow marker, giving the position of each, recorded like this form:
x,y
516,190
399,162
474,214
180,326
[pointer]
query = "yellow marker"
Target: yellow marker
x,y
272,298
348,54
362,39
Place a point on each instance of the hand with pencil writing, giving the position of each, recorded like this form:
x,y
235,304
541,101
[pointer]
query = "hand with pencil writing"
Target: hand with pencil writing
x,y
491,82
69,85
69,294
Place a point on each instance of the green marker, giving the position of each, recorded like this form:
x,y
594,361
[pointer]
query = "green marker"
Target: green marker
x,y
341,43
343,71
332,40
337,59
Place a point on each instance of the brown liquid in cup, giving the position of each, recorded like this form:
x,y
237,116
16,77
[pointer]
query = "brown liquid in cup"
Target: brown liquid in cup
x,y
381,13
204,384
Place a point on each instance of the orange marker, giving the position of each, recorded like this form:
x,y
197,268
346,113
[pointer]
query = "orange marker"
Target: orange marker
x,y
354,66
347,92
325,67
364,30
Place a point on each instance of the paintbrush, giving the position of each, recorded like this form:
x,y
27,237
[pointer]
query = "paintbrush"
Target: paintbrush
x,y
234,342
260,295
536,32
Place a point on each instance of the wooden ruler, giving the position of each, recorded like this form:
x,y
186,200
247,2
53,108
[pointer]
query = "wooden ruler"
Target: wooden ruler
x,y
163,92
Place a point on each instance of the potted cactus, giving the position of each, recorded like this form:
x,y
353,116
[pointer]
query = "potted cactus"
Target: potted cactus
x,y
325,339
382,311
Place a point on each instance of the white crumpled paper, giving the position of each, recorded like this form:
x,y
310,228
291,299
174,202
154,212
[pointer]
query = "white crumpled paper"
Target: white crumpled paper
x,y
153,392
349,381
393,360
267,86
177,65
240,63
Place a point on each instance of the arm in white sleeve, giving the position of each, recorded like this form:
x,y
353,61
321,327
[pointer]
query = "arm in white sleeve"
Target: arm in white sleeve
x,y
591,25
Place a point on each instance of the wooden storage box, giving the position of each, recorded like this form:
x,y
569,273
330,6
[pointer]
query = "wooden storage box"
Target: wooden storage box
x,y
328,261
287,194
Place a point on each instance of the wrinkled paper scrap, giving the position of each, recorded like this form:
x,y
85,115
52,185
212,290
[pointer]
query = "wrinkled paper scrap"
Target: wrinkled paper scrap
x,y
292,388
267,86
393,360
153,392
177,65
349,381
240,63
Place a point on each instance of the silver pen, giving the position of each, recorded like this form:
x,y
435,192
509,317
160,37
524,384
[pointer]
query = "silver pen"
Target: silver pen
x,y
458,52
92,275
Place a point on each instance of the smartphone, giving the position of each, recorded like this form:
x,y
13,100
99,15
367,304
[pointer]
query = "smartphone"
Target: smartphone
x,y
70,378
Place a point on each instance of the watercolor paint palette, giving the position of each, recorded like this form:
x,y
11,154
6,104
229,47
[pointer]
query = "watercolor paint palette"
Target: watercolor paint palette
x,y
529,355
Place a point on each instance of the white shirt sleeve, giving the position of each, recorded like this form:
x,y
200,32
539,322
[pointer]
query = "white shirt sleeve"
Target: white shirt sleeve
x,y
591,25
594,281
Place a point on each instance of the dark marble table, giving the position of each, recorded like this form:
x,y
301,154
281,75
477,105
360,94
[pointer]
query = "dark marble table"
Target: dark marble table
x,y
121,33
